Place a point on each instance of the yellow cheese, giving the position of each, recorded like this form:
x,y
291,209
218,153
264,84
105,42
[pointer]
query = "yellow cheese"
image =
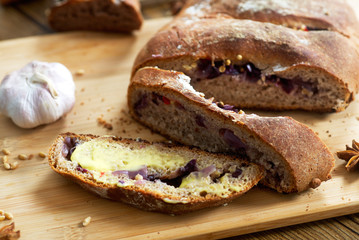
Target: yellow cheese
x,y
100,155
199,184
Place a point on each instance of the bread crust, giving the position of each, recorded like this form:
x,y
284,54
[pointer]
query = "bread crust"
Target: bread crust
x,y
285,136
135,195
334,15
96,15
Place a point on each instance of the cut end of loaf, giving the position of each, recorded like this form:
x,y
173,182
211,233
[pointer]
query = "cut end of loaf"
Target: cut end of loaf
x,y
238,82
153,177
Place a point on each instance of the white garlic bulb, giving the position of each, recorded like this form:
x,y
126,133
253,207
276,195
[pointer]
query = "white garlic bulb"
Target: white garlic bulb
x,y
37,94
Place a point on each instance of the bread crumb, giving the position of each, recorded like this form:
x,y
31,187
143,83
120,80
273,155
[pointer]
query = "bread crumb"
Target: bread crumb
x,y
8,216
138,177
86,221
14,165
82,103
315,183
80,72
7,166
4,159
42,154
5,151
105,124
22,157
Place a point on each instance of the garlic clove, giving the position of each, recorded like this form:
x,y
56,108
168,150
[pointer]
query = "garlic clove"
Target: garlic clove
x,y
39,93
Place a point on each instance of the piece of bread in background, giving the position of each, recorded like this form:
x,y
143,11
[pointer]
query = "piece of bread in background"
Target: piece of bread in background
x,y
152,176
96,15
8,2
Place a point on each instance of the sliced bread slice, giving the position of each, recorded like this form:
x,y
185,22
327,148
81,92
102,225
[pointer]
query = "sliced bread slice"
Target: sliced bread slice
x,y
153,177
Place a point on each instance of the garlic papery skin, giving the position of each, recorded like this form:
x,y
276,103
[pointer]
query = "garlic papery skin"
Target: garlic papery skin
x,y
39,93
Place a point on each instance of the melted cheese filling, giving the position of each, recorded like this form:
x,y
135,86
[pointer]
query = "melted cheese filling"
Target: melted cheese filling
x,y
103,156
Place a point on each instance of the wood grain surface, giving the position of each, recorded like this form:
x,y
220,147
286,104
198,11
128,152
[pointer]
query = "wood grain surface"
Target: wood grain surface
x,y
46,213
46,206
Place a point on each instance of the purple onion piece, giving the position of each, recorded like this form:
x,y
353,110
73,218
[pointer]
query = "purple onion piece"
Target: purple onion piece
x,y
70,144
155,98
208,170
81,169
205,69
227,107
237,173
141,104
286,85
191,166
142,171
232,140
120,172
176,178
68,141
179,106
200,121
232,70
132,174
65,151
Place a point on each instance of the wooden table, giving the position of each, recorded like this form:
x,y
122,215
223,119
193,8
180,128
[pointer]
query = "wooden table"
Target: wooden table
x,y
28,19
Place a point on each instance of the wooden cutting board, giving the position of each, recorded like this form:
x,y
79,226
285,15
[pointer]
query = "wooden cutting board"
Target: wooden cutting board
x,y
47,206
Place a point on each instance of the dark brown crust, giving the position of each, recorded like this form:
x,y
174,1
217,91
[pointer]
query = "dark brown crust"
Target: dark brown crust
x,y
96,15
137,196
334,15
289,138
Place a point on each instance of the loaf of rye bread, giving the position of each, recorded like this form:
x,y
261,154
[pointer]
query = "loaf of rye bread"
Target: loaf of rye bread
x,y
257,63
95,15
293,156
193,180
